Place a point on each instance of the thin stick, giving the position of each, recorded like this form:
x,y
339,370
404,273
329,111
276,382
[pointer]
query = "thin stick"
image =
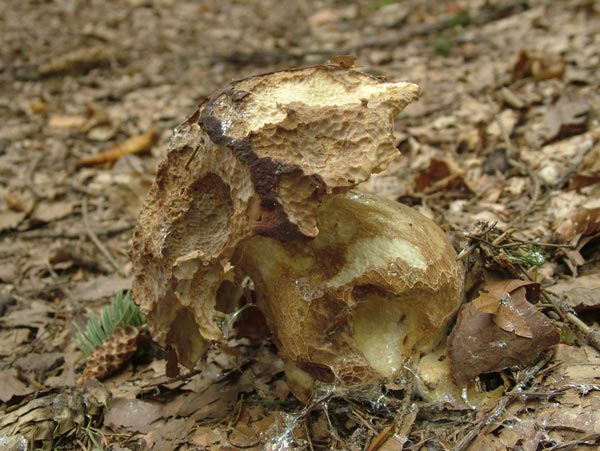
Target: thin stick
x,y
308,438
44,233
566,311
512,160
90,233
494,414
29,177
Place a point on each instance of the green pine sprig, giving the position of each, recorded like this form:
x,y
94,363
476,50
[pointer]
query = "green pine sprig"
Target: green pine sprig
x,y
120,313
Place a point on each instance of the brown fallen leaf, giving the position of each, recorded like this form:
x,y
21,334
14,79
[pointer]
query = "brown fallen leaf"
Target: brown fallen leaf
x,y
582,221
440,175
498,330
78,60
581,293
589,172
133,415
11,386
19,201
45,211
345,61
540,66
135,144
499,301
11,219
53,416
565,118
66,121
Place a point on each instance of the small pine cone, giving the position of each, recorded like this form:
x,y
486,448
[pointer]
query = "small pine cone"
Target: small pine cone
x,y
112,354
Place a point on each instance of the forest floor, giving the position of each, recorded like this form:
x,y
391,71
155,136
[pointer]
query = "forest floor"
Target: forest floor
x,y
502,150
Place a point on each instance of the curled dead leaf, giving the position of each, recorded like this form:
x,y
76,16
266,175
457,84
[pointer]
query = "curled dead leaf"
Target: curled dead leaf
x,y
440,175
566,118
78,60
540,66
134,144
589,172
582,221
498,300
498,330
581,292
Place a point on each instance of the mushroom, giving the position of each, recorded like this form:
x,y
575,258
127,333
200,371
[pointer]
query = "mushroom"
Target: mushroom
x,y
259,182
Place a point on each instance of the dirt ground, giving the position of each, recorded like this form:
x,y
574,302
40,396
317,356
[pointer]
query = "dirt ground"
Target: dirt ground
x,y
502,150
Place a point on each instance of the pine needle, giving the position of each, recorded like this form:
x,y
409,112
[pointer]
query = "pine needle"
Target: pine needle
x,y
121,312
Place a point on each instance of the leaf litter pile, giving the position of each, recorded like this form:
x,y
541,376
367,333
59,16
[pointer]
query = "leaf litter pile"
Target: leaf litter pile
x,y
502,150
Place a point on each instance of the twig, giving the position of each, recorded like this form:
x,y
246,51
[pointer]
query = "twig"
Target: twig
x,y
407,33
566,311
45,233
590,440
470,247
90,233
29,177
308,438
515,163
494,414
536,189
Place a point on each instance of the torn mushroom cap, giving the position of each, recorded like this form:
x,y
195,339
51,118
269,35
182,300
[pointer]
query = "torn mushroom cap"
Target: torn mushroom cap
x,y
375,289
307,132
256,158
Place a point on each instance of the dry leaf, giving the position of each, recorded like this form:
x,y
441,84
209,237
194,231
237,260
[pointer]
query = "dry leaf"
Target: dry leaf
x,y
19,201
99,288
51,211
11,386
11,219
582,221
542,66
345,61
79,60
498,330
135,144
499,301
38,314
439,175
589,172
581,293
132,414
66,121
567,117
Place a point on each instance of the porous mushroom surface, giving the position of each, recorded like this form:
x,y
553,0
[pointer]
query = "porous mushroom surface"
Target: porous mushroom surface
x,y
369,295
263,158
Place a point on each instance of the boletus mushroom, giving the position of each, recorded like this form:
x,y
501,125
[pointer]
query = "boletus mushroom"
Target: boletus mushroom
x,y
259,182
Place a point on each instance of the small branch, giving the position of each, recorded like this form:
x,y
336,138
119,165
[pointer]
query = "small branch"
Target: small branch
x,y
515,163
72,234
29,177
590,440
492,416
90,233
566,311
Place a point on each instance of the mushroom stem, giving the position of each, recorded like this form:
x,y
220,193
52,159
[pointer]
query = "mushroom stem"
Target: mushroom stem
x,y
376,288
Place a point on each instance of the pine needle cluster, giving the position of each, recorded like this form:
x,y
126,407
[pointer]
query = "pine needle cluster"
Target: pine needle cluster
x,y
120,313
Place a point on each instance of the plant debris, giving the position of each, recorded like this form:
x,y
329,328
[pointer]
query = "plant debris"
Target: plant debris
x,y
499,329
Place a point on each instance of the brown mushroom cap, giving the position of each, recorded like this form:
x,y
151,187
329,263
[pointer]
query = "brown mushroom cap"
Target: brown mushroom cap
x,y
258,158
